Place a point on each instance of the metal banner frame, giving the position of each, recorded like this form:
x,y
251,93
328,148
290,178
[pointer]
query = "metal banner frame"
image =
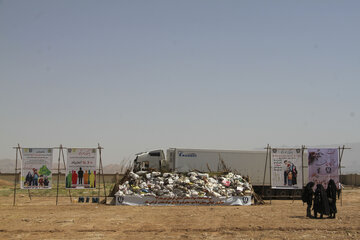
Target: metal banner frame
x,y
18,151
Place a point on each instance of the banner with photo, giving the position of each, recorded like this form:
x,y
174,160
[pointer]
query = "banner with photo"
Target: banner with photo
x,y
323,165
36,168
81,168
286,168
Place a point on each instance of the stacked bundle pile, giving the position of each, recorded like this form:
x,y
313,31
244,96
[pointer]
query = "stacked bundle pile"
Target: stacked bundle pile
x,y
192,184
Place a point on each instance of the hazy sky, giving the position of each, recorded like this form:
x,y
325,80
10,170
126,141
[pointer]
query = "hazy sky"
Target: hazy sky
x,y
141,75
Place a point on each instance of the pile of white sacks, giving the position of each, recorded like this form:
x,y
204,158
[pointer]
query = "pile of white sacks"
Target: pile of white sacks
x,y
192,184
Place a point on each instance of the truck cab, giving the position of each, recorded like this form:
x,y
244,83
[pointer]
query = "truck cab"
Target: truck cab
x,y
149,160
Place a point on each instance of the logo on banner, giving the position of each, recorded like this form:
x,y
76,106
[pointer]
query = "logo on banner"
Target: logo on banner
x,y
120,199
297,150
274,150
245,200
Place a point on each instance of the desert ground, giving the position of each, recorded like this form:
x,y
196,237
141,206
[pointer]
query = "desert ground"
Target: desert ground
x,y
40,218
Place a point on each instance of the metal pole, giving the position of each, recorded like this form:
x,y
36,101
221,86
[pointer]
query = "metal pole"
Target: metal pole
x,y
58,177
302,167
267,152
15,174
99,179
102,169
62,153
270,177
339,168
21,160
340,158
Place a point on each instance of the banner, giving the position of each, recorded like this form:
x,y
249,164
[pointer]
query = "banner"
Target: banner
x,y
323,165
36,168
286,168
135,200
81,168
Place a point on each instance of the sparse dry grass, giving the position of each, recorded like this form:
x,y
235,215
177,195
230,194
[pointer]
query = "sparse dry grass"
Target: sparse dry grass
x,y
283,219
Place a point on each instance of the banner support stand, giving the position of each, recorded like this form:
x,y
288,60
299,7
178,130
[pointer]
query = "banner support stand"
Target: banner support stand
x,y
271,195
302,165
58,177
99,183
62,153
15,173
29,194
340,158
102,170
21,161
266,159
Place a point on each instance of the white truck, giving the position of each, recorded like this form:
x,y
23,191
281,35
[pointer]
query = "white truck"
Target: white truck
x,y
246,163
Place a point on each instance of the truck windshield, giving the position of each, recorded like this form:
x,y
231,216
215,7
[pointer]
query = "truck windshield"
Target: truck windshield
x,y
155,154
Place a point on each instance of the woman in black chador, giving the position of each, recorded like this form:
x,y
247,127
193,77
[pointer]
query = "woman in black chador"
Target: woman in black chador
x,y
28,179
331,194
307,197
321,203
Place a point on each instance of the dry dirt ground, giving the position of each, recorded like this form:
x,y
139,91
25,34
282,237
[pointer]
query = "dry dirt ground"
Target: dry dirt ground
x,y
282,219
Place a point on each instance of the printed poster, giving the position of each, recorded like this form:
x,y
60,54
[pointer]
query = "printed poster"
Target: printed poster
x,y
36,168
323,165
286,168
81,168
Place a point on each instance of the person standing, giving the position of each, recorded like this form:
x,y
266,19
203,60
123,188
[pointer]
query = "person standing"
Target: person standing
x,y
35,178
286,171
331,195
28,179
92,180
294,179
307,197
69,180
86,178
46,181
321,203
80,176
73,177
41,181
290,177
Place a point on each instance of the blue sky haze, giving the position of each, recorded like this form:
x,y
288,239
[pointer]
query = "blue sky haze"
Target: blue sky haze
x,y
140,75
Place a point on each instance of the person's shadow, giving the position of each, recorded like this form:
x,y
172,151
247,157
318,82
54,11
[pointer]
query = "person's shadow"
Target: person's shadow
x,y
304,217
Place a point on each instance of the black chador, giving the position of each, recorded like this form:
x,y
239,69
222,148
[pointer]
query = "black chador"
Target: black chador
x,y
321,203
331,195
307,197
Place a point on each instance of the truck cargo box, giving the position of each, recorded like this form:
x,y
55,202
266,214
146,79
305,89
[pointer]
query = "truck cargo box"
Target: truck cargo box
x,y
246,163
